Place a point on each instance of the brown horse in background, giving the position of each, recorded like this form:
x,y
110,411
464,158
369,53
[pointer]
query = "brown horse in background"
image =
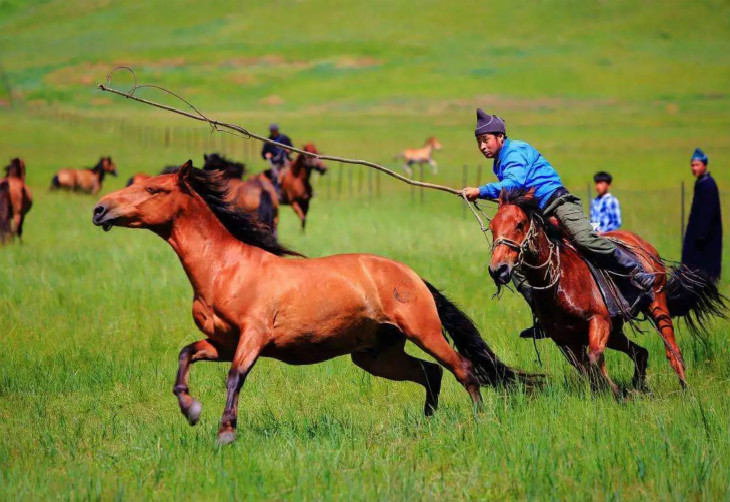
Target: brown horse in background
x,y
15,200
420,156
570,307
84,180
250,301
295,188
255,195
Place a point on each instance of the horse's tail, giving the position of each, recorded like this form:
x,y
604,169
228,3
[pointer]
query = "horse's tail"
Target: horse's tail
x,y
55,183
266,211
694,297
399,156
465,335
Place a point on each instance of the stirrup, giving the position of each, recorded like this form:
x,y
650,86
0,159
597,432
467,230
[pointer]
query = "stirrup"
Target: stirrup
x,y
533,332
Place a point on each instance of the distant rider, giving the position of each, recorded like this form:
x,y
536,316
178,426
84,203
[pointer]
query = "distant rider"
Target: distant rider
x,y
518,165
276,156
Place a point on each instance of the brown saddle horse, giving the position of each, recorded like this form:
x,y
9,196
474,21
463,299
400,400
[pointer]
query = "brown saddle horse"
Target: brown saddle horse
x,y
568,304
255,195
294,186
84,180
15,200
250,301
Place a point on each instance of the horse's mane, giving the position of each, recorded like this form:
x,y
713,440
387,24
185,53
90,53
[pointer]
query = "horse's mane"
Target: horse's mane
x,y
213,188
231,168
530,205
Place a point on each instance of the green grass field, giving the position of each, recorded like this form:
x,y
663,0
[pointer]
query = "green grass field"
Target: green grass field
x,y
92,322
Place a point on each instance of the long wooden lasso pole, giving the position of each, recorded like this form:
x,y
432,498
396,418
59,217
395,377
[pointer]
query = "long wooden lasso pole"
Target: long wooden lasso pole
x,y
218,125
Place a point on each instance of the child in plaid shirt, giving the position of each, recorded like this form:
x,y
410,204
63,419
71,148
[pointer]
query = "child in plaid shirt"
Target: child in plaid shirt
x,y
605,208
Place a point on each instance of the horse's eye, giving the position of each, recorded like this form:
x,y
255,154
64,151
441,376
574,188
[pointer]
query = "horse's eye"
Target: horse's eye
x,y
521,226
153,190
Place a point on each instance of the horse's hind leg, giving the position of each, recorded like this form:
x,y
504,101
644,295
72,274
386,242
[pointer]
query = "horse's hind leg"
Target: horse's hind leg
x,y
202,350
599,330
576,356
298,209
659,313
390,361
638,354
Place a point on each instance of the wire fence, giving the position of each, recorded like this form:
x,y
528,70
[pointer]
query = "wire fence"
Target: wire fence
x,y
659,214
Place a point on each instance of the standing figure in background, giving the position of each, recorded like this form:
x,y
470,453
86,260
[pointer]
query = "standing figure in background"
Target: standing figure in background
x,y
276,156
605,208
702,248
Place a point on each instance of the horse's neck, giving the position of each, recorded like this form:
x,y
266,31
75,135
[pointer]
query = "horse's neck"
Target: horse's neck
x,y
298,169
540,276
203,244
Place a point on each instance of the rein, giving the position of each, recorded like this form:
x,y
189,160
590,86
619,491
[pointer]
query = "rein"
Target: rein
x,y
552,270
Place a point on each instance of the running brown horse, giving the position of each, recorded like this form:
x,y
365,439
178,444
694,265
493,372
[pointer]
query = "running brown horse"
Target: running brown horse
x,y
84,180
16,199
420,156
295,188
251,301
570,307
255,195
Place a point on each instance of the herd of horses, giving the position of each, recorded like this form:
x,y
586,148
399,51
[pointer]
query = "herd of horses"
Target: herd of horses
x,y
254,297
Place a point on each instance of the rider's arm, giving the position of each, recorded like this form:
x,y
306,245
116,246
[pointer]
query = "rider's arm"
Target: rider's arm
x,y
514,177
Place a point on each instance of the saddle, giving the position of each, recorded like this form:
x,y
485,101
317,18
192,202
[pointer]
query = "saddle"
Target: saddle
x,y
622,298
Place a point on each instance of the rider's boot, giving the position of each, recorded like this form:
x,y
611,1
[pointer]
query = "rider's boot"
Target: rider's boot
x,y
534,331
626,264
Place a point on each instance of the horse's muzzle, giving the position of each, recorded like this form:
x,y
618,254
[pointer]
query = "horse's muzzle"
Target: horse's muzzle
x,y
501,273
101,216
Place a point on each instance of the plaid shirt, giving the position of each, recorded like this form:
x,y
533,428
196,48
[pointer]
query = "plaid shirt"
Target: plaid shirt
x,y
606,212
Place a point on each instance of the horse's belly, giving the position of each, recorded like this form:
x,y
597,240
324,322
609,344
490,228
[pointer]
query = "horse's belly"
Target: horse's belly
x,y
325,342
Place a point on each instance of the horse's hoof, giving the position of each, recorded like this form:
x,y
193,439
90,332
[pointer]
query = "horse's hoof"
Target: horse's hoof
x,y
226,437
194,411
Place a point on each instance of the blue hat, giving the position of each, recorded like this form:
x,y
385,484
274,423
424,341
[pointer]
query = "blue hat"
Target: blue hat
x,y
273,127
699,155
488,124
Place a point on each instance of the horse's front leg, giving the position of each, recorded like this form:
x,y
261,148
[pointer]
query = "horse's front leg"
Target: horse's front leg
x,y
434,166
599,330
298,209
247,352
202,350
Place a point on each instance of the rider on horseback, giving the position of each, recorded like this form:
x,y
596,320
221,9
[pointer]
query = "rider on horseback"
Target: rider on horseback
x,y
276,156
518,165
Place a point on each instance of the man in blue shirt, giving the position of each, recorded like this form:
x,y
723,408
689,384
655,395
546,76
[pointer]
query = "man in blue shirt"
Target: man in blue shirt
x,y
605,208
518,165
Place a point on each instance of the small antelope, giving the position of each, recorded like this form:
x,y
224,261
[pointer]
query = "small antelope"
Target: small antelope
x,y
420,156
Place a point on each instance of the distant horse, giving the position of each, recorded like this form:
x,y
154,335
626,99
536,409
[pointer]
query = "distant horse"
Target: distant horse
x,y
16,200
570,307
16,169
84,180
255,195
250,301
295,188
420,156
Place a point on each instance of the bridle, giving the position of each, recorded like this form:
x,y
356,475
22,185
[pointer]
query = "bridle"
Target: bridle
x,y
552,269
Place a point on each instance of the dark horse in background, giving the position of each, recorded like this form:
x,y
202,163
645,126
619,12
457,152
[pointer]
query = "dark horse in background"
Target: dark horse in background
x,y
297,310
568,303
255,195
15,201
295,188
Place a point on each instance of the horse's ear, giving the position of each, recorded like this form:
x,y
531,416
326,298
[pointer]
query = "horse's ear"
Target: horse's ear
x,y
184,170
530,194
502,196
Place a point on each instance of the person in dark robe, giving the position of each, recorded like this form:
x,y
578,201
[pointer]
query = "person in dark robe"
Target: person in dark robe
x,y
702,248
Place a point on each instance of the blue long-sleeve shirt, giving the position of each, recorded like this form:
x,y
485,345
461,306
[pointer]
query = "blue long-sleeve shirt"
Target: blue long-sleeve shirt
x,y
520,166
